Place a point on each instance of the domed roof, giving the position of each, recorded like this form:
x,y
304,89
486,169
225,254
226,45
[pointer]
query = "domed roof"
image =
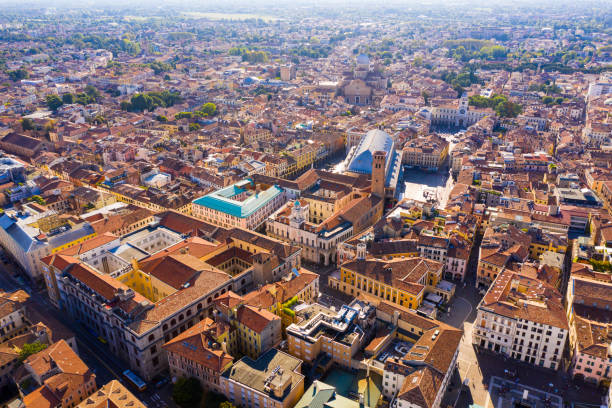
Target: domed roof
x,y
608,101
363,59
373,141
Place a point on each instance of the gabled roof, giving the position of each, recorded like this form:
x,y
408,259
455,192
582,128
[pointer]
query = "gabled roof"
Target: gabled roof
x,y
256,319
403,274
196,345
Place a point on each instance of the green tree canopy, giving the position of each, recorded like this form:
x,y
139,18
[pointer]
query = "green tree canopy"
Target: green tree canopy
x,y
92,92
53,102
27,124
508,109
209,109
150,101
68,98
187,392
499,103
31,348
38,199
18,74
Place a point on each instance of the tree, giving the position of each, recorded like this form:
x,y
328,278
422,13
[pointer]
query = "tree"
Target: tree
x,y
508,109
18,74
187,392
425,96
27,124
194,127
68,98
92,92
38,199
183,115
53,102
209,109
226,404
31,348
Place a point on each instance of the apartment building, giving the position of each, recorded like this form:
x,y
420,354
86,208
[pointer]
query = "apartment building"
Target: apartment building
x,y
417,371
201,352
112,394
433,247
339,335
257,330
426,152
274,380
13,320
589,302
35,232
522,318
402,281
502,247
55,377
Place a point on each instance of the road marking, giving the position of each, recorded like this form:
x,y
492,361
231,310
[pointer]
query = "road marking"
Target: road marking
x,y
98,358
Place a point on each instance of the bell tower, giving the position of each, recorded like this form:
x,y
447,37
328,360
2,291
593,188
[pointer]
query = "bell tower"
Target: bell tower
x,y
378,173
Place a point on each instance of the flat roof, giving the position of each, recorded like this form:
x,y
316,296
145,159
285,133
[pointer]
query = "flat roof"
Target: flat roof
x,y
223,200
254,373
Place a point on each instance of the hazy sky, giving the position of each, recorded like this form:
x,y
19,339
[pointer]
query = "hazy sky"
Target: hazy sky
x,y
304,3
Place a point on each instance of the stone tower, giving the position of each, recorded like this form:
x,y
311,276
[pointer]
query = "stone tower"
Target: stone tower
x,y
378,174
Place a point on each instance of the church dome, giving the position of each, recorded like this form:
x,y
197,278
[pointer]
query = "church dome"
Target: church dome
x,y
373,141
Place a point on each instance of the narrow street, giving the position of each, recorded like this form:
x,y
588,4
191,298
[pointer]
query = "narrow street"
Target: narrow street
x,y
103,363
475,367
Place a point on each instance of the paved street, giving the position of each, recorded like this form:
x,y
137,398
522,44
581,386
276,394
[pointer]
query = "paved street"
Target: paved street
x,y
471,379
105,365
476,368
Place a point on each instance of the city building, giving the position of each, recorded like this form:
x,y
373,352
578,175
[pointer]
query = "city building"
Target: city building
x,y
55,377
254,330
273,380
429,153
112,394
365,84
502,247
401,281
244,205
457,114
377,156
321,394
417,356
588,313
35,232
339,335
522,318
200,352
326,215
